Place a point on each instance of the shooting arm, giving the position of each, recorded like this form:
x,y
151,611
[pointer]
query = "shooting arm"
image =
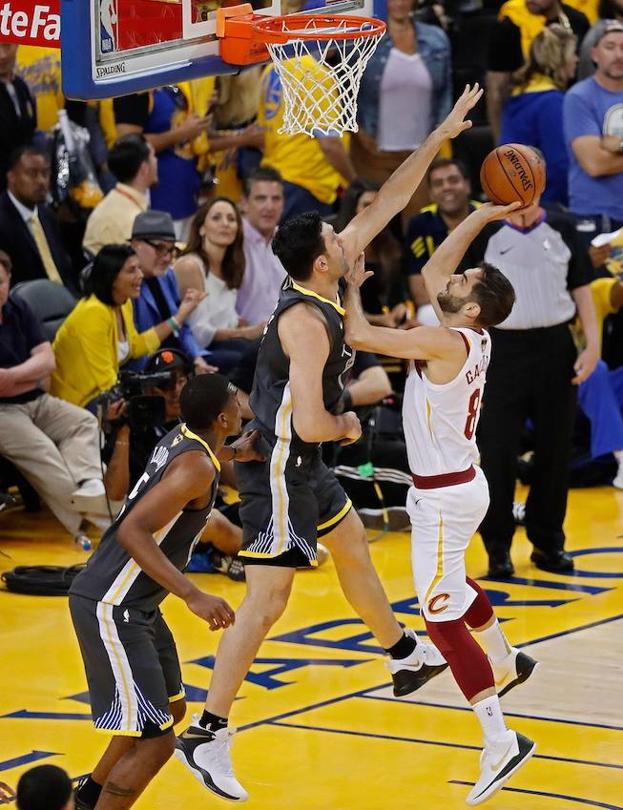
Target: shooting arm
x,y
421,343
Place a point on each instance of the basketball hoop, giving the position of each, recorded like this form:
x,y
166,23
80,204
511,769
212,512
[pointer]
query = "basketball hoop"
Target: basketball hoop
x,y
319,58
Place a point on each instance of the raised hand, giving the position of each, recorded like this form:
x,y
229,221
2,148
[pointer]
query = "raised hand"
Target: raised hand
x,y
357,274
455,123
491,211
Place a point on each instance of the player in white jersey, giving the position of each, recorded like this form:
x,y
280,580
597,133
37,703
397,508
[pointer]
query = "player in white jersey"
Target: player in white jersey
x,y
450,496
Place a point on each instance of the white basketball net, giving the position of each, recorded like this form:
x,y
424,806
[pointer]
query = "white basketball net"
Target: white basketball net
x,y
321,78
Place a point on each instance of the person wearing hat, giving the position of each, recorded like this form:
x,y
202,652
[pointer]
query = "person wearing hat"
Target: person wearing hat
x,y
153,240
593,123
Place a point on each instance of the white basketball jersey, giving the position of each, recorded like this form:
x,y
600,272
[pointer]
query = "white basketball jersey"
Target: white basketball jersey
x,y
440,420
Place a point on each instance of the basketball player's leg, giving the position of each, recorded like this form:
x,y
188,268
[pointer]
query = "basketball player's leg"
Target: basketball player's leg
x,y
443,522
134,771
268,591
129,697
341,529
204,746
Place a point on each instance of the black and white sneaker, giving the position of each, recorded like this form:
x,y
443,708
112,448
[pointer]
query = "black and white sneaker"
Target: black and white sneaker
x,y
207,756
412,672
516,668
498,763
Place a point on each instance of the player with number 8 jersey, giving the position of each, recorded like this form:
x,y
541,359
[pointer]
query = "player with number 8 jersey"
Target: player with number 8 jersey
x,y
449,497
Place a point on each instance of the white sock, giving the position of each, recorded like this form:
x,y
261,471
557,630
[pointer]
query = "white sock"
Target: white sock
x,y
491,719
495,643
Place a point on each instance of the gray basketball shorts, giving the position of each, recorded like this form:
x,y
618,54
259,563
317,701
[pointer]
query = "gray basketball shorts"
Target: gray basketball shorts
x,y
131,664
287,502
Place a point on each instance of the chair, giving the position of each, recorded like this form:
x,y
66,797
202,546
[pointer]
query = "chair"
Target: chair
x,y
50,302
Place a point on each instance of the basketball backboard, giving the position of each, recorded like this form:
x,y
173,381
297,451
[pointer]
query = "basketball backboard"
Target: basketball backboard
x,y
115,47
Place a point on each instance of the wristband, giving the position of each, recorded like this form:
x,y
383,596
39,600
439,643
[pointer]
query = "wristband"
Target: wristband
x,y
173,323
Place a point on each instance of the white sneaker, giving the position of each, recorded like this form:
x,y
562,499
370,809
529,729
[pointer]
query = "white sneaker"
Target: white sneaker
x,y
207,755
498,763
412,672
516,668
618,481
90,497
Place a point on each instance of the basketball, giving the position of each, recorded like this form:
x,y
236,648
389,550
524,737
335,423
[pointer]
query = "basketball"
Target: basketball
x,y
513,172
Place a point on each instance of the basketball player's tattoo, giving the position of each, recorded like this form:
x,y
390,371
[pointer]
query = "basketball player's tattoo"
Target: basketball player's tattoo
x,y
117,790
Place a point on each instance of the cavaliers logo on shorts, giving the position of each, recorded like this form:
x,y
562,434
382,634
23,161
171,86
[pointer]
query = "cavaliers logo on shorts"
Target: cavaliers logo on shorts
x,y
438,603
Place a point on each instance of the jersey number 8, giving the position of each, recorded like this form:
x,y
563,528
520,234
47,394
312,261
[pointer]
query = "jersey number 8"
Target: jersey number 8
x,y
472,414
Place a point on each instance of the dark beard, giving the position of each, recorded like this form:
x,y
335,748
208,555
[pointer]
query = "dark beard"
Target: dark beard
x,y
449,303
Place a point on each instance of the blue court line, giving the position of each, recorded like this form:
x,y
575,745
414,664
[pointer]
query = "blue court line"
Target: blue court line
x,y
578,799
396,738
569,632
26,759
506,714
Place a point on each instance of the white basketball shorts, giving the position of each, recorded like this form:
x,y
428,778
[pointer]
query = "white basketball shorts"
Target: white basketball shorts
x,y
443,522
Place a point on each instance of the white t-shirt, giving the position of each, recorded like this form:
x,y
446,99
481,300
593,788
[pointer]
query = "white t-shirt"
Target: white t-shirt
x,y
216,311
405,103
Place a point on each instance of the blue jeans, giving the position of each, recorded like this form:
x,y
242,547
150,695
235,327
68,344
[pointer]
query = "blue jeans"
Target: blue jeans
x,y
226,354
601,399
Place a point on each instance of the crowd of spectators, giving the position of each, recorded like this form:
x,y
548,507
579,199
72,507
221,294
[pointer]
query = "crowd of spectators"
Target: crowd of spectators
x,y
170,269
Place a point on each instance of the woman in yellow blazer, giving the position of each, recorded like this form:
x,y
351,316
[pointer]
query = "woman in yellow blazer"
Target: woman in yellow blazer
x,y
99,335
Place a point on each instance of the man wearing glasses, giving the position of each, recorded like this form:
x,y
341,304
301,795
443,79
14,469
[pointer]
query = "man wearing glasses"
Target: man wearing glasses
x,y
153,240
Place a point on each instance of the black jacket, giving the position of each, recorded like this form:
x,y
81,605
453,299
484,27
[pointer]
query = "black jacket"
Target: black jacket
x,y
15,130
17,240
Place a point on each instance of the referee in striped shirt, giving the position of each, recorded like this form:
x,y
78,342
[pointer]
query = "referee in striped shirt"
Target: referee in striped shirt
x,y
534,373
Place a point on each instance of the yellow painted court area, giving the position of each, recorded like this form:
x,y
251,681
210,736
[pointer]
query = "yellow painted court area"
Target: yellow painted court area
x,y
318,725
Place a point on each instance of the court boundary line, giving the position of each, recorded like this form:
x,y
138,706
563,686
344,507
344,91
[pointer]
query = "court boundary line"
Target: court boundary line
x,y
564,797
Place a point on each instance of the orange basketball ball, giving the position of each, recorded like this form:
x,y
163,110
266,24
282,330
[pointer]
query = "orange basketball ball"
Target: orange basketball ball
x,y
513,172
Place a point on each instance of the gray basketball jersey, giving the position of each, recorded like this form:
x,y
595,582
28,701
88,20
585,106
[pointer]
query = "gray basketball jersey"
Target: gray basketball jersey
x,y
111,574
271,398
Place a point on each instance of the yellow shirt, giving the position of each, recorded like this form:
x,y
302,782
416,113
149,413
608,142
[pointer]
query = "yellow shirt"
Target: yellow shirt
x,y
86,349
41,70
112,219
588,7
298,158
532,24
601,289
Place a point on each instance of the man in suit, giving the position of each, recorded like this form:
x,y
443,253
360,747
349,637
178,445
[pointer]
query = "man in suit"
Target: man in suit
x,y
18,117
29,232
153,239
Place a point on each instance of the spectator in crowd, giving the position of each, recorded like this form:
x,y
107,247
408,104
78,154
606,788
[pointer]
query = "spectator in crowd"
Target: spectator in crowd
x,y
213,261
153,240
133,162
601,395
29,232
312,169
130,443
40,68
406,91
519,23
593,121
608,10
171,124
99,335
533,373
449,190
53,444
533,113
45,787
262,207
18,117
385,301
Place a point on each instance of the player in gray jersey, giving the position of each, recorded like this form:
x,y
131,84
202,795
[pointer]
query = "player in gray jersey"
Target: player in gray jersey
x,y
129,654
292,498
